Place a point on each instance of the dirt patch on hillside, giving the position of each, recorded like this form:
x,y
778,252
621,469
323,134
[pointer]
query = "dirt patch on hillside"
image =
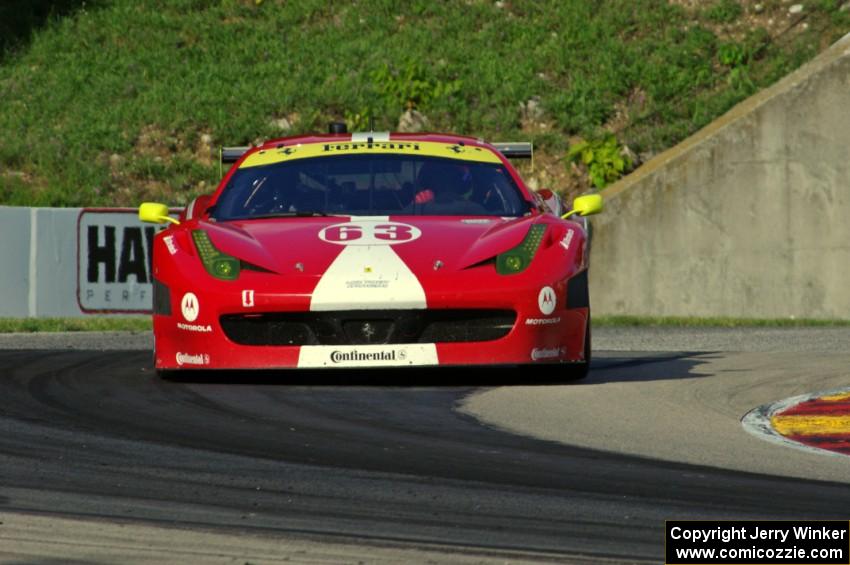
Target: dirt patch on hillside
x,y
780,18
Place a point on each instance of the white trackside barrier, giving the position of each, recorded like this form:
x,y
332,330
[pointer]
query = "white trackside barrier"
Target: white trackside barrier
x,y
74,261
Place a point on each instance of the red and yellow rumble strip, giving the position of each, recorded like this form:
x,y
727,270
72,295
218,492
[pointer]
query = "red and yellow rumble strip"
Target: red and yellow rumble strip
x,y
822,422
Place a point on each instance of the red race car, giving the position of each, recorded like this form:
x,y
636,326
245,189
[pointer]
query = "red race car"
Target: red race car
x,y
372,250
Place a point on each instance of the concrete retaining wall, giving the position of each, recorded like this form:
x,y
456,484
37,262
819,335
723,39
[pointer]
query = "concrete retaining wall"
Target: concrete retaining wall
x,y
750,217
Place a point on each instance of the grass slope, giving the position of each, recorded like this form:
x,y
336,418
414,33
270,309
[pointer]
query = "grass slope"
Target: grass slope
x,y
115,101
90,324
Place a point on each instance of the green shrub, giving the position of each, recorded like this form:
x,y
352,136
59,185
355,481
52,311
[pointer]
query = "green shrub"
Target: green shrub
x,y
411,87
604,158
359,121
731,55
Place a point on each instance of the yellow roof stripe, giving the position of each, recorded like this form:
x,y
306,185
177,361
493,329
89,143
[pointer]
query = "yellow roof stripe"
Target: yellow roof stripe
x,y
426,148
811,425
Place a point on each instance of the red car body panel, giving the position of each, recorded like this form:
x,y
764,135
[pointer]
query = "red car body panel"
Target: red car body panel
x,y
310,264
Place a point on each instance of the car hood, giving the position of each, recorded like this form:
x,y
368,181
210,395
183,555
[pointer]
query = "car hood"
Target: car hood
x,y
309,245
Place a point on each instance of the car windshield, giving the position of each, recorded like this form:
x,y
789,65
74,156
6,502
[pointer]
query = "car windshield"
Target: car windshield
x,y
371,185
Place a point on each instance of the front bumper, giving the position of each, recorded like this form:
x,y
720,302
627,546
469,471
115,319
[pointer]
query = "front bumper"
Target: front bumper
x,y
203,343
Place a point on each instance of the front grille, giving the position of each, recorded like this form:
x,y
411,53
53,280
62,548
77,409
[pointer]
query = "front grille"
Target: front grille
x,y
368,327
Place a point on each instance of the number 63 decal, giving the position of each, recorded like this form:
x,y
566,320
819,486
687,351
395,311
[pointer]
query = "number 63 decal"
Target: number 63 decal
x,y
370,233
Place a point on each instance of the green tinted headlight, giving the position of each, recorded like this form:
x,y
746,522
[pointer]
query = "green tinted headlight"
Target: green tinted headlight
x,y
218,264
519,258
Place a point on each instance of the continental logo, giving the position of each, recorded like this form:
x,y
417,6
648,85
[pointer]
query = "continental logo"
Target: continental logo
x,y
193,359
354,355
325,149
538,354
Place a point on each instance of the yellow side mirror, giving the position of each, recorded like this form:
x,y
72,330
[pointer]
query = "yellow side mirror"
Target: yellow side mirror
x,y
155,213
586,205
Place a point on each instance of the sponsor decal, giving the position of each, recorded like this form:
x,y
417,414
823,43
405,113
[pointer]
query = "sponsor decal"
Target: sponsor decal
x,y
476,221
366,146
378,145
193,359
114,251
538,354
547,300
190,307
367,355
367,284
169,243
248,298
194,328
355,355
370,233
541,321
565,243
364,277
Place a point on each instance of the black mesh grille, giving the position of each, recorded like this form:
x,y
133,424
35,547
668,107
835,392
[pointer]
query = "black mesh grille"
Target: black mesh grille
x,y
368,327
161,299
577,294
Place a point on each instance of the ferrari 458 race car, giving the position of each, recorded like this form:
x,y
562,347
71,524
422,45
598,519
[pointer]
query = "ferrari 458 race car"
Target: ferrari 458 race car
x,y
372,250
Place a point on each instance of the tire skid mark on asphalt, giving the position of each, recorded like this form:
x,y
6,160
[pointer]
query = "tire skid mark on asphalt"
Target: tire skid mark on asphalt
x,y
815,422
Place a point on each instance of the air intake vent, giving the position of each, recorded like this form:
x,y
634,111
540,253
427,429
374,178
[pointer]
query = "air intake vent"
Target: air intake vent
x,y
368,327
161,299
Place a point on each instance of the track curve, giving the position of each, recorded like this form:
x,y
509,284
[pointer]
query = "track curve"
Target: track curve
x,y
383,457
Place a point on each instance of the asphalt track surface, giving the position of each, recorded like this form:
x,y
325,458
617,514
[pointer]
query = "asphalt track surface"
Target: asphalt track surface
x,y
376,459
